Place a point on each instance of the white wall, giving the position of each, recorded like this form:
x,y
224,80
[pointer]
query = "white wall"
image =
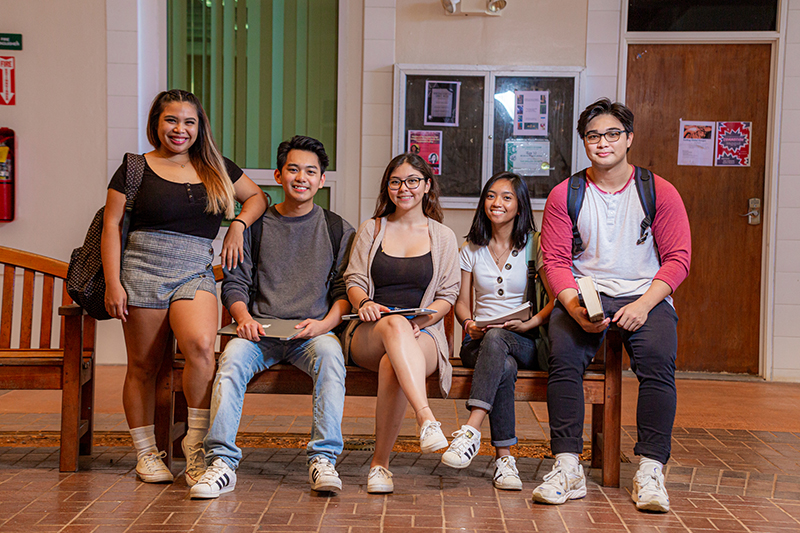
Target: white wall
x,y
786,310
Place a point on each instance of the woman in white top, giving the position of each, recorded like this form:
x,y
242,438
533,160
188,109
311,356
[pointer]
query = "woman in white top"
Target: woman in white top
x,y
493,265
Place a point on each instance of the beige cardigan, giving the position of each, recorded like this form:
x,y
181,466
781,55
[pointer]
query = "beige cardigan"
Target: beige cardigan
x,y
444,284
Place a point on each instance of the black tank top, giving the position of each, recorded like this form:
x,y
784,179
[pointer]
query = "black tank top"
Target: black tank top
x,y
401,281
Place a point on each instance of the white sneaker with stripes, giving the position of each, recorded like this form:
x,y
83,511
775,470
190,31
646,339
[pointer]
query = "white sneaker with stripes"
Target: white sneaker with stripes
x,y
465,446
323,476
219,478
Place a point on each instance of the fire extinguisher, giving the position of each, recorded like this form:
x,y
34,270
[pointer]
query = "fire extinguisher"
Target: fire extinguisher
x,y
6,175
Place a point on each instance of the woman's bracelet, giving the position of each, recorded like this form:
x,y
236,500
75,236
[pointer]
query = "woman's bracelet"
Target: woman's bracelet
x,y
240,220
365,300
464,323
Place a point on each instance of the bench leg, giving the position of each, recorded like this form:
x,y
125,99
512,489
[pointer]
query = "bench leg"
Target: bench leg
x,y
70,394
597,435
612,411
87,410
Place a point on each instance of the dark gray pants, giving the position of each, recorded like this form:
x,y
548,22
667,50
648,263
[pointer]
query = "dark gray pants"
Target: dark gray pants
x,y
495,358
652,349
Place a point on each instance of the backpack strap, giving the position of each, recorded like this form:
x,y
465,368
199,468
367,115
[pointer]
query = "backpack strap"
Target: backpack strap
x,y
646,189
576,189
335,232
531,249
134,164
256,229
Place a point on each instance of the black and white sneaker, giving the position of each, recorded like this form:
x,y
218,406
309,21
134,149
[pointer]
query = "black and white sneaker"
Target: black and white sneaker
x,y
465,446
218,478
323,476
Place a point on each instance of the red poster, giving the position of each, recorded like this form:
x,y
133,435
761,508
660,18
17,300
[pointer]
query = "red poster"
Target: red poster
x,y
428,145
7,90
733,144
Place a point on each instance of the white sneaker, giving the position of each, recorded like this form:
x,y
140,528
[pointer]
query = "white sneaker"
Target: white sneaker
x,y
506,475
151,469
379,481
465,446
431,437
323,476
561,484
649,492
195,461
218,478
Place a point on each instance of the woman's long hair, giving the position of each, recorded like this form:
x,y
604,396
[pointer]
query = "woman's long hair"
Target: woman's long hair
x,y
430,202
481,231
204,154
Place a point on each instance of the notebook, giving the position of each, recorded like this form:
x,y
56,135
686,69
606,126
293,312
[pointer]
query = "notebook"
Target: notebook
x,y
409,311
273,327
523,313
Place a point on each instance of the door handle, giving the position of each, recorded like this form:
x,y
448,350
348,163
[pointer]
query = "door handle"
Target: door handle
x,y
754,213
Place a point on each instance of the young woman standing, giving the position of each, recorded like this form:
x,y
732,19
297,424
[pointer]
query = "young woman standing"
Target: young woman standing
x,y
165,279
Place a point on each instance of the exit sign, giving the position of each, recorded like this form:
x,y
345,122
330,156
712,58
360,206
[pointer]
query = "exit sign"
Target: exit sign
x,y
10,41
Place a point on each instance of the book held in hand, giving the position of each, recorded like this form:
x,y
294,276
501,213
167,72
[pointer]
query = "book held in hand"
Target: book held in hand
x,y
523,313
591,299
410,311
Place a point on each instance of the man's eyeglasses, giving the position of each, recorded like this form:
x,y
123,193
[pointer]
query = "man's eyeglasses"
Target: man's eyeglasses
x,y
611,136
411,183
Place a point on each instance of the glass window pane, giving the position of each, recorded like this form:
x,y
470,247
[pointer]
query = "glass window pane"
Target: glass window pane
x,y
702,15
560,128
264,70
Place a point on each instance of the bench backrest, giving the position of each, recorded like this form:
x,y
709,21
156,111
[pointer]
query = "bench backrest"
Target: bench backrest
x,y
33,267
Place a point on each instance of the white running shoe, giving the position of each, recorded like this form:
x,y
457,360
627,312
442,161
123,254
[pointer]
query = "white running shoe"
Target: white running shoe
x,y
506,475
379,481
465,446
151,469
431,437
195,461
219,478
561,484
649,492
323,476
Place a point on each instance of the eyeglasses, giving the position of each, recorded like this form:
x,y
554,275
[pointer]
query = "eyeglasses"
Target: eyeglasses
x,y
411,183
611,136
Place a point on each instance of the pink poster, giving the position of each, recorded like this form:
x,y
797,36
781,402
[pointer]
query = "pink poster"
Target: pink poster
x,y
428,145
733,144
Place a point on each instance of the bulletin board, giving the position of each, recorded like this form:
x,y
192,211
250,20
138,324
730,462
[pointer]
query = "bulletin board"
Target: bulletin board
x,y
477,147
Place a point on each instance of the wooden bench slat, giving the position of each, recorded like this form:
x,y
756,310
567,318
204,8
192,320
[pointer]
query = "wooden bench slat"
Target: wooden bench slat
x,y
26,319
7,313
46,320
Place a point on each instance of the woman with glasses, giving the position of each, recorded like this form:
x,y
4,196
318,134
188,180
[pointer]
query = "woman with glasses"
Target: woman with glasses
x,y
494,266
403,257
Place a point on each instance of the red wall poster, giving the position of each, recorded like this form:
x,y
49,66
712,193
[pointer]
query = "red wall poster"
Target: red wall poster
x,y
733,144
428,145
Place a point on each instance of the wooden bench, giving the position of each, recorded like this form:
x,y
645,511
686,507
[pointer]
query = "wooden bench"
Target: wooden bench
x,y
602,385
69,366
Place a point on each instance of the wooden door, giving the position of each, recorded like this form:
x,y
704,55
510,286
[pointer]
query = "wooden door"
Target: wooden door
x,y
719,303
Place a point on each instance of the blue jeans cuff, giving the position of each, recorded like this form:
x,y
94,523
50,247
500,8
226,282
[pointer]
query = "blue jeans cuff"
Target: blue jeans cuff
x,y
479,403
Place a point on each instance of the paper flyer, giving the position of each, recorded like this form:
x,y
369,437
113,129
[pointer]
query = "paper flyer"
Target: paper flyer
x,y
733,144
696,143
442,103
528,158
428,145
530,116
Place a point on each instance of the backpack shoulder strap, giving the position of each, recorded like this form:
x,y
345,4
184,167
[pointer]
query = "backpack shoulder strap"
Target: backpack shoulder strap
x,y
256,229
576,189
646,189
133,177
335,232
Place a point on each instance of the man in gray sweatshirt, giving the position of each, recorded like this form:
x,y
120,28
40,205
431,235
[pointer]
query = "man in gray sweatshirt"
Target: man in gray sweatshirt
x,y
297,276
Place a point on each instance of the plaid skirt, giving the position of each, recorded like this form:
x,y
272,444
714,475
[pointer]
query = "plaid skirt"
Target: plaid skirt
x,y
160,267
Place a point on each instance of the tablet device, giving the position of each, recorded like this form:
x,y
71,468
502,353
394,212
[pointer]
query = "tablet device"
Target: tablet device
x,y
408,311
273,327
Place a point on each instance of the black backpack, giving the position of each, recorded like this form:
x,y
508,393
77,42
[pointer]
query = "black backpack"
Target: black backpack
x,y
537,295
645,188
86,284
335,226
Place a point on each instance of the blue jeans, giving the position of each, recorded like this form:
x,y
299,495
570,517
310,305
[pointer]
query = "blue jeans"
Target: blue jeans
x,y
495,358
320,357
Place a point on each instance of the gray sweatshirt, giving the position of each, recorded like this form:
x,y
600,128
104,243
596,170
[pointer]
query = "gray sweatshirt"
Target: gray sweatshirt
x,y
294,261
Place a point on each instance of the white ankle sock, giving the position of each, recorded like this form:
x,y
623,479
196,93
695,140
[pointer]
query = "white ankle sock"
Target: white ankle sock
x,y
570,459
144,440
647,465
197,425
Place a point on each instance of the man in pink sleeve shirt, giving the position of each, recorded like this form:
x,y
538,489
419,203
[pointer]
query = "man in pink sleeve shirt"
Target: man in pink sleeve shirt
x,y
636,281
